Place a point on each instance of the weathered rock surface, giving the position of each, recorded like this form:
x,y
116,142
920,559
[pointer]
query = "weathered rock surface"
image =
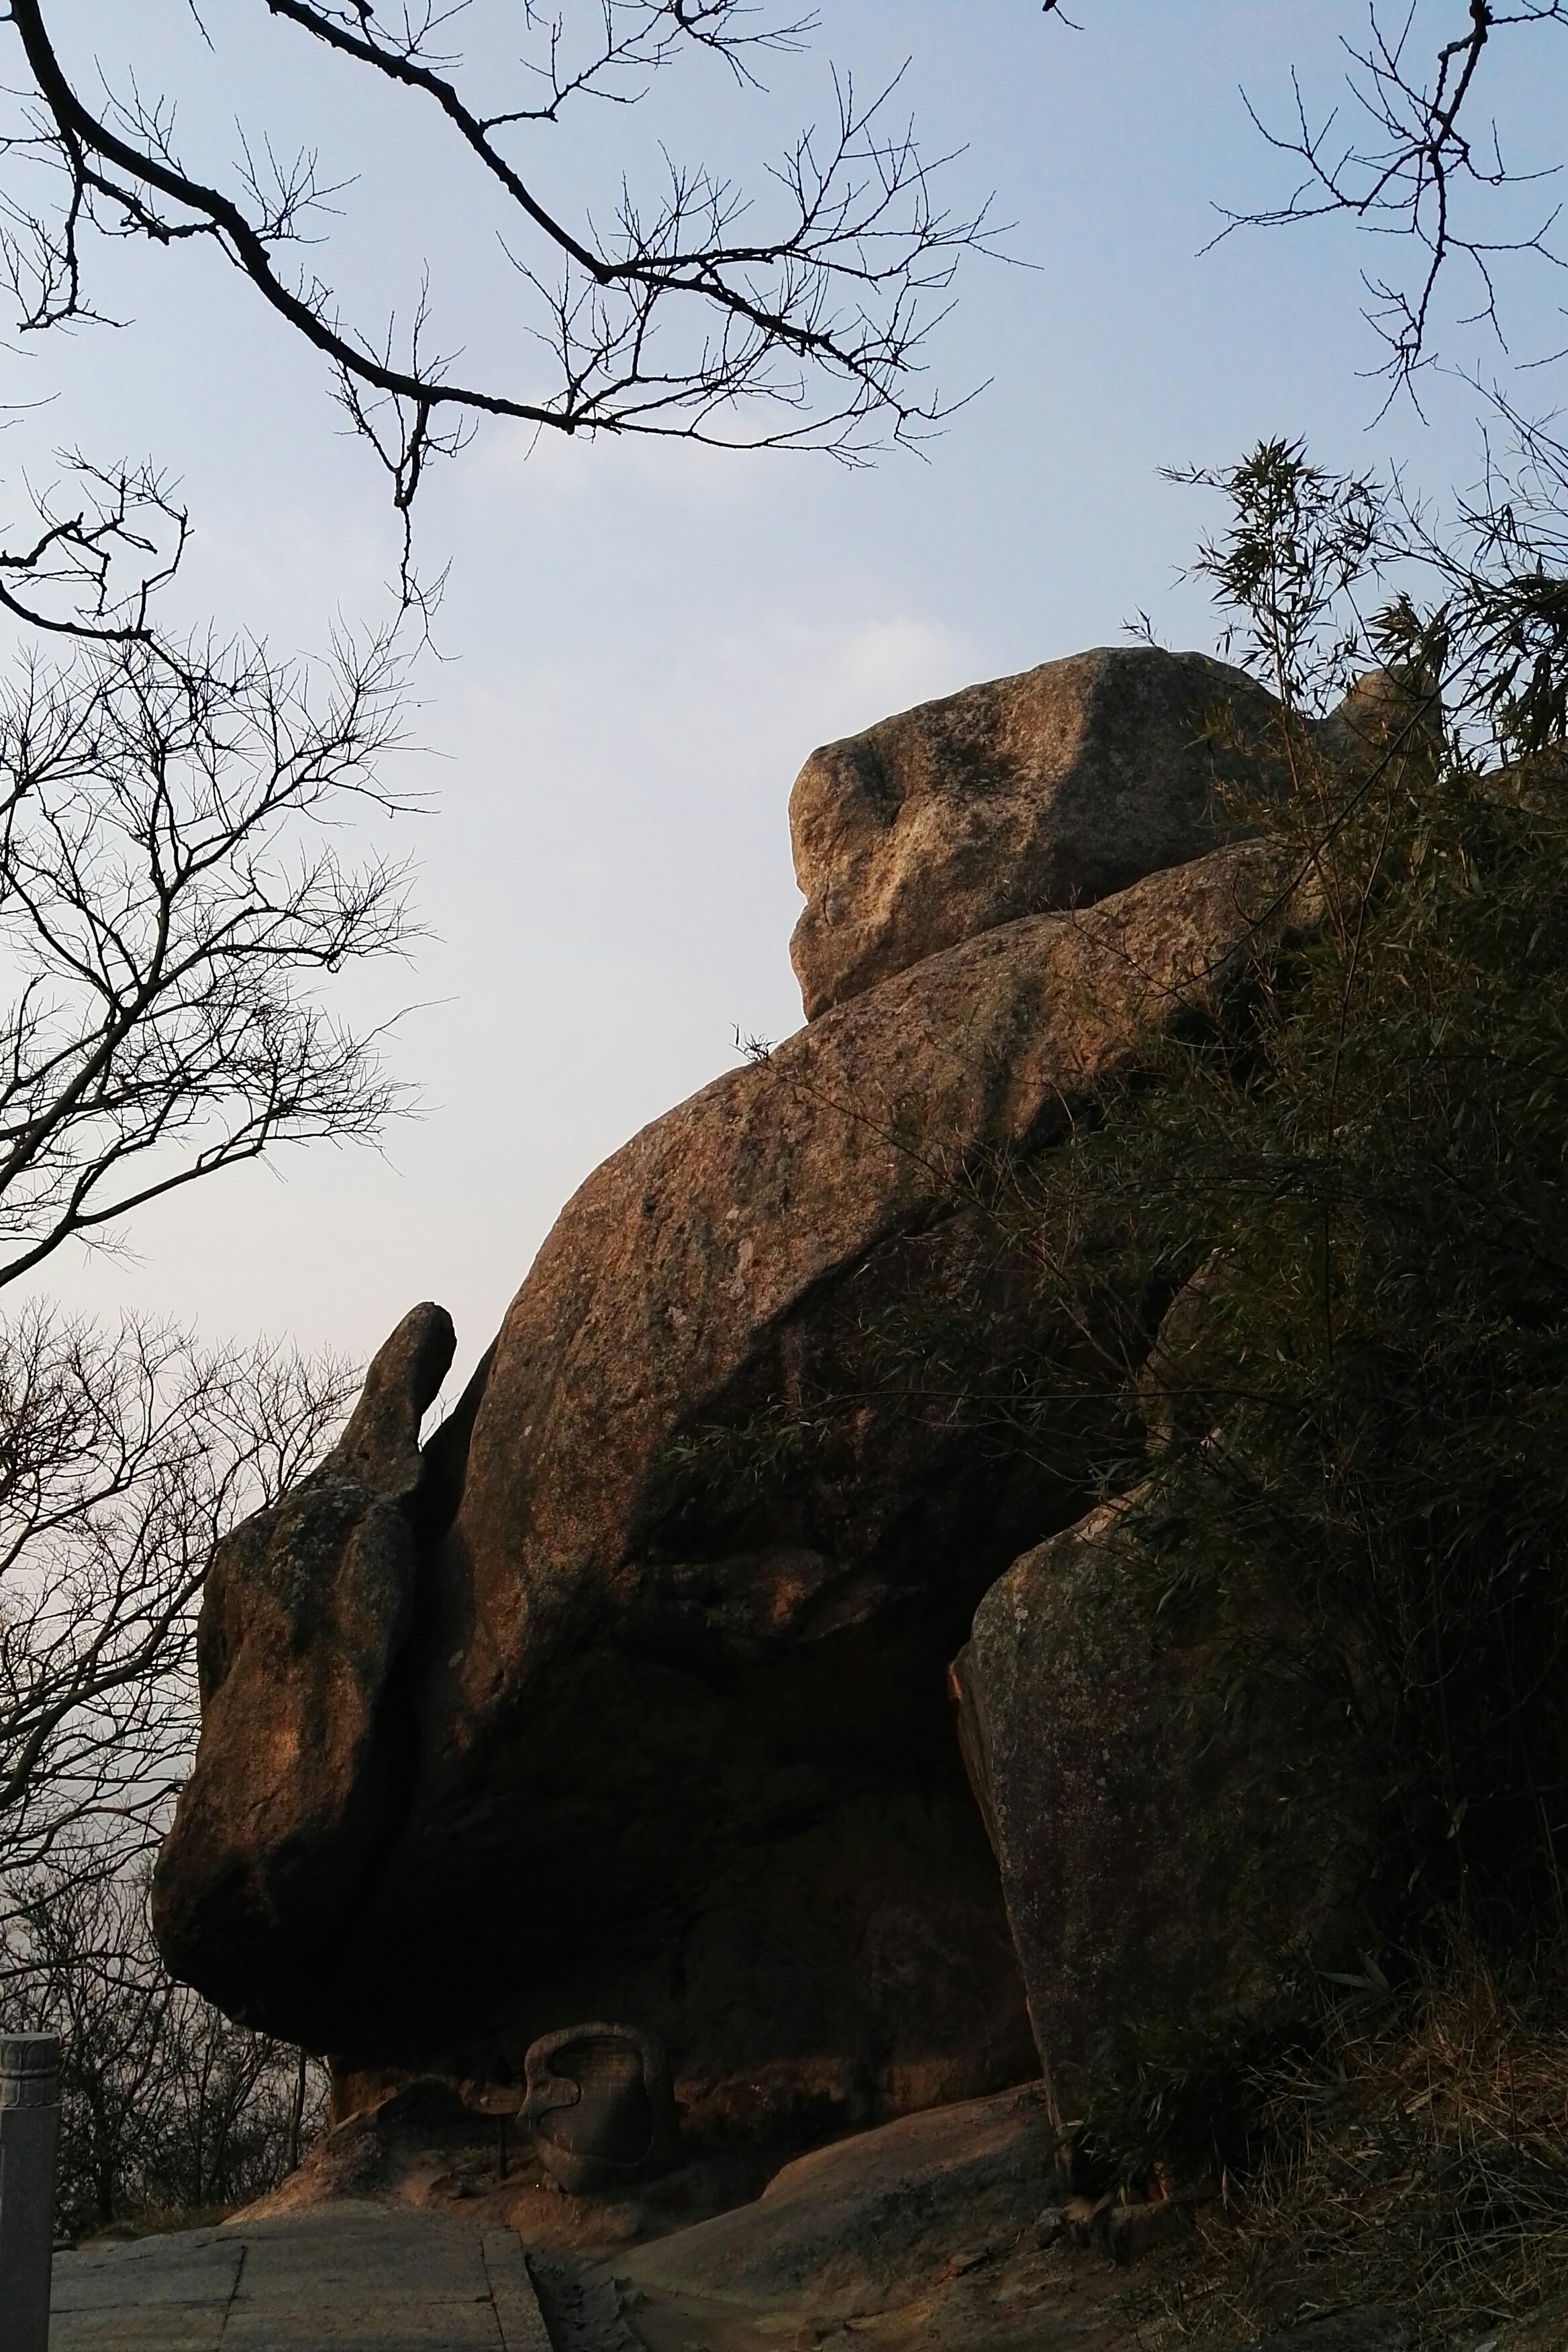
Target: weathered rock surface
x,y
849,2229
669,1720
1051,789
299,1778
1174,1862
1382,720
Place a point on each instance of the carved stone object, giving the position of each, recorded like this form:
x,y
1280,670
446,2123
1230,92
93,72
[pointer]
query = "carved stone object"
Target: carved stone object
x,y
600,2106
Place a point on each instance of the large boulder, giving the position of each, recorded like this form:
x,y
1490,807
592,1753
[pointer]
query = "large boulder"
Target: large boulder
x,y
670,1718
1052,789
1181,1852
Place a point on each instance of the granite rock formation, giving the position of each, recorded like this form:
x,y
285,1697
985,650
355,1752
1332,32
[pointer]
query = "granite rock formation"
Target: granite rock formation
x,y
1048,790
1176,1869
305,1615
658,1725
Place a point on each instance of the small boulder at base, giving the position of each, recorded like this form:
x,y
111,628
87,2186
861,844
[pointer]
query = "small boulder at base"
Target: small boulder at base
x,y
1048,790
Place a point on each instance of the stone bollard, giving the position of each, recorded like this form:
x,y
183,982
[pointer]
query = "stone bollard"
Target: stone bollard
x,y
29,2135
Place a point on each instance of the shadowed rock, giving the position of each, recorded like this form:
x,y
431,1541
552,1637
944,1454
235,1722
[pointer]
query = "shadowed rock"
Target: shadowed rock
x,y
1176,1862
870,2223
297,1779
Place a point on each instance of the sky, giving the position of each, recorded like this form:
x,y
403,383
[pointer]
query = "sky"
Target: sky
x,y
640,644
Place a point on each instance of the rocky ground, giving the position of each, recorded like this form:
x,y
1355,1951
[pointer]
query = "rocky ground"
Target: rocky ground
x,y
936,2233
923,2233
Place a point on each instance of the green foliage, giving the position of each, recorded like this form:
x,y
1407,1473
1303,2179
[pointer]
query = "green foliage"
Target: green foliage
x,y
1300,543
1371,1160
1363,1407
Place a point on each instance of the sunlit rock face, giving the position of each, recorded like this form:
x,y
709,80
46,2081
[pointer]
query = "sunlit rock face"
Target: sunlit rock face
x,y
662,1730
1048,790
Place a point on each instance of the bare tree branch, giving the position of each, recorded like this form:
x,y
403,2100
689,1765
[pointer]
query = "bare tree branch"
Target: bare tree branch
x,y
688,313
123,1457
171,902
165,2105
1414,164
170,897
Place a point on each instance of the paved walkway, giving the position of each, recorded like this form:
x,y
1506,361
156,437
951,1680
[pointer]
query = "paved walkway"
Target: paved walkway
x,y
351,2278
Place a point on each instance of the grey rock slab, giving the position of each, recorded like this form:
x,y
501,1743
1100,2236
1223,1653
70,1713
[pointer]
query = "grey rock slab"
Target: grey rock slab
x,y
188,2267
366,2276
155,2295
354,2278
164,2328
521,2322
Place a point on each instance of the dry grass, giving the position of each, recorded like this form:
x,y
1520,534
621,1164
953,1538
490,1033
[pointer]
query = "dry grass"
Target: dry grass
x,y
1420,2161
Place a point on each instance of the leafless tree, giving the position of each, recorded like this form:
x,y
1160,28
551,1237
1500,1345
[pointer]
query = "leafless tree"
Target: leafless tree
x,y
792,315
171,902
1413,157
125,1454
166,2106
1419,160
170,897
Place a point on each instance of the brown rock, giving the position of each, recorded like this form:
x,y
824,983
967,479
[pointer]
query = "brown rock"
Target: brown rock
x,y
1048,790
859,2227
705,1237
672,1700
1174,1865
306,1609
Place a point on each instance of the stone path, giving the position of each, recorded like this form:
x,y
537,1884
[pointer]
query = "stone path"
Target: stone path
x,y
351,2278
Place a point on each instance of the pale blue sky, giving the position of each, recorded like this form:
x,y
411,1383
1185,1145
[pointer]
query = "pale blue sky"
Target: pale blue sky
x,y
643,643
